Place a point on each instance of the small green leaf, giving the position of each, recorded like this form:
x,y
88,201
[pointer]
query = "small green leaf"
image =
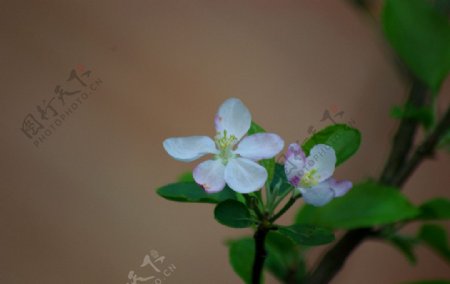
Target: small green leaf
x,y
421,37
241,253
255,128
435,237
424,115
405,245
192,192
284,259
435,209
307,235
186,177
233,214
268,164
344,139
366,205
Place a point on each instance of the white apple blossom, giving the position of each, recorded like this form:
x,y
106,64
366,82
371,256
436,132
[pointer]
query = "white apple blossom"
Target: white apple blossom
x,y
235,160
312,175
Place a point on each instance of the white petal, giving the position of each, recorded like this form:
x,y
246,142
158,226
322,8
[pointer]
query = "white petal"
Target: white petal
x,y
210,175
260,146
322,158
234,117
187,149
341,187
318,195
294,163
244,175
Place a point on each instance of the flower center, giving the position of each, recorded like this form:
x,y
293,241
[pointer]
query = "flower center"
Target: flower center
x,y
225,145
310,178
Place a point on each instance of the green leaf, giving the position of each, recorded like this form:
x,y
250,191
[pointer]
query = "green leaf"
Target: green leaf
x,y
435,209
421,37
255,128
405,245
308,235
424,115
435,237
233,214
192,192
186,177
344,139
268,164
367,204
241,253
443,6
284,259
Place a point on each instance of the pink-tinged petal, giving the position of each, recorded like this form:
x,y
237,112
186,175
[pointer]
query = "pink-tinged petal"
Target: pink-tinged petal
x,y
260,146
295,149
234,117
187,149
340,188
245,176
294,164
318,195
322,159
210,175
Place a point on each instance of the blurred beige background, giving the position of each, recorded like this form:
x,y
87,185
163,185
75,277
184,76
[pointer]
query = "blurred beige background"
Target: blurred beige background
x,y
82,208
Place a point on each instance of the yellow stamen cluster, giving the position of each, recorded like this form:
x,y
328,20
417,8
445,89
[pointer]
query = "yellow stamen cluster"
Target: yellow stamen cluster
x,y
225,141
309,179
225,144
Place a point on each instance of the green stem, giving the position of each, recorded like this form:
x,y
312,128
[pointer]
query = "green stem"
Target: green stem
x,y
270,197
404,138
279,199
425,150
285,208
252,204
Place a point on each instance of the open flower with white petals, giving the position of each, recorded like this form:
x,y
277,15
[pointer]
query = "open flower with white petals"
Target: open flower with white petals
x,y
235,160
312,175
